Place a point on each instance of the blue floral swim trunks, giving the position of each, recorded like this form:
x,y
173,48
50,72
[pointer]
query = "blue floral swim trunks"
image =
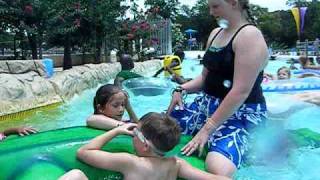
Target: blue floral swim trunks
x,y
231,138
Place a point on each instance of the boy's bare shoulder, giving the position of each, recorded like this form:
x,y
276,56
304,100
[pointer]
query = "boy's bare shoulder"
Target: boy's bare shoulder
x,y
157,168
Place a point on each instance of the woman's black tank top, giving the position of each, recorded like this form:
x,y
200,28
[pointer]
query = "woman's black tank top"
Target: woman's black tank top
x,y
220,64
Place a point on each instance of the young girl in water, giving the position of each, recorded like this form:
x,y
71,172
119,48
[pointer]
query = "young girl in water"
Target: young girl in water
x,y
109,106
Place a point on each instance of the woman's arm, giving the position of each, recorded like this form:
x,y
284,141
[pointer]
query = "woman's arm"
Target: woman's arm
x,y
100,121
196,84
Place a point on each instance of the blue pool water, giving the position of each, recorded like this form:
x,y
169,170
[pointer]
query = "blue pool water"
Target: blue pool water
x,y
298,163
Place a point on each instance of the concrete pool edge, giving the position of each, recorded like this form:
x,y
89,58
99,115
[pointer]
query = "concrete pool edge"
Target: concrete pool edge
x,y
28,90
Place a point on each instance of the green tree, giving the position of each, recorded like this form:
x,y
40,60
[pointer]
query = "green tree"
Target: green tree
x,y
166,8
197,18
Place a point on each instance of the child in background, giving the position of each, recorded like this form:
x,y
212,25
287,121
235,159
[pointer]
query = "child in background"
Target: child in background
x,y
282,73
127,65
21,131
174,67
306,63
109,106
153,136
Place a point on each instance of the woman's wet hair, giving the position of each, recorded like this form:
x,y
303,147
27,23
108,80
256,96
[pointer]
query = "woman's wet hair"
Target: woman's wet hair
x,y
244,5
126,62
161,129
103,95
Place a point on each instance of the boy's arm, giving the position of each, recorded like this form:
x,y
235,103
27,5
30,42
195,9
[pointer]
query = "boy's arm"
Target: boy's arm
x,y
92,154
21,131
187,171
100,121
174,63
118,81
179,79
158,72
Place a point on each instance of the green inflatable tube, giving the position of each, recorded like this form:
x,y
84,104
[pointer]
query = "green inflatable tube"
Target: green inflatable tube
x,y
48,155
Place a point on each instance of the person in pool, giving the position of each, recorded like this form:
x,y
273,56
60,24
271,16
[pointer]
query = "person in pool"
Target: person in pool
x,y
126,72
21,131
282,74
232,103
110,103
173,67
153,136
306,63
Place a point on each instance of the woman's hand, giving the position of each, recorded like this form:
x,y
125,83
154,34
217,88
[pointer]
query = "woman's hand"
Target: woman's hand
x,y
197,142
126,128
176,100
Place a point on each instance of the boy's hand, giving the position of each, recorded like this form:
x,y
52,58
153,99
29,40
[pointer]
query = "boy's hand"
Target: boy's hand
x,y
22,131
126,129
2,136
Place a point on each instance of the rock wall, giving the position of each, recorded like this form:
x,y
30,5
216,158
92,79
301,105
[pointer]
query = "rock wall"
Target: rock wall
x,y
24,86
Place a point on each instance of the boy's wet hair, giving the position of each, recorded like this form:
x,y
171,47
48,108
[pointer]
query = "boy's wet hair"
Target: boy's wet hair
x,y
286,69
126,62
180,54
103,95
161,130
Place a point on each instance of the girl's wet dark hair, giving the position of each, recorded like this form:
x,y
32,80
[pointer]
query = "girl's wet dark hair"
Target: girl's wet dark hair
x,y
103,95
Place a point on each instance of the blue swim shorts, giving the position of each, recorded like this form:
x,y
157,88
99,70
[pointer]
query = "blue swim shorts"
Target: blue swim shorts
x,y
231,138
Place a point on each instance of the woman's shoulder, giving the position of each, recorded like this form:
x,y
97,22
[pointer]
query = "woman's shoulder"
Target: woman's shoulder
x,y
250,31
251,36
214,31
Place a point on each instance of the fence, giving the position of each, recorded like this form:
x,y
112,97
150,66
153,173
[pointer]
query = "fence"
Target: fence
x,y
308,48
162,34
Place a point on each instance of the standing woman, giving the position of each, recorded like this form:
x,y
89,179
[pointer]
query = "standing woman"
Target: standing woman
x,y
232,103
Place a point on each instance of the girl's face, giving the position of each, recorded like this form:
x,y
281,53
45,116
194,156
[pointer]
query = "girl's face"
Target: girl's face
x,y
283,74
115,106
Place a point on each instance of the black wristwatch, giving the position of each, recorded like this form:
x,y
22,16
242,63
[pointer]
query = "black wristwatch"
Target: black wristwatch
x,y
178,89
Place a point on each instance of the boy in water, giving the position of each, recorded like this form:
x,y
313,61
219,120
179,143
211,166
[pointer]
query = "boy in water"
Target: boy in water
x,y
153,136
282,74
175,64
127,65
